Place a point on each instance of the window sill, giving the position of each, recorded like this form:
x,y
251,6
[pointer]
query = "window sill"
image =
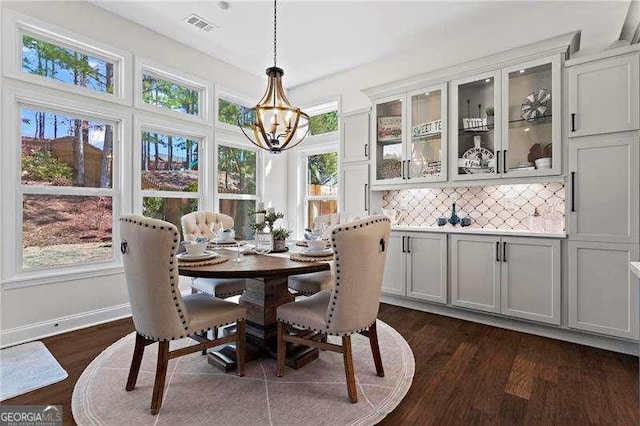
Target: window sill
x,y
50,277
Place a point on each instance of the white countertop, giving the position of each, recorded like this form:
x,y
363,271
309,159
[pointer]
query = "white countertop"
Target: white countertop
x,y
635,268
448,229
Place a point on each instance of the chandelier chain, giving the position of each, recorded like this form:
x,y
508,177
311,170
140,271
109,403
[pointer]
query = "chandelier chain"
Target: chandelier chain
x,y
275,33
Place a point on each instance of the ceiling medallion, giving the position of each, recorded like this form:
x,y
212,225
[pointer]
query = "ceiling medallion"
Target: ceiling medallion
x,y
274,124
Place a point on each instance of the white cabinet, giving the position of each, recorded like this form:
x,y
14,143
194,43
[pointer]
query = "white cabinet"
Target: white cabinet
x,y
475,272
394,278
604,186
417,266
603,96
518,277
603,294
427,266
355,188
354,135
530,279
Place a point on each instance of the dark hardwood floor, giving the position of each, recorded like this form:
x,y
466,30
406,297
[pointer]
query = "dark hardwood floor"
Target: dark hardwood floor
x,y
466,373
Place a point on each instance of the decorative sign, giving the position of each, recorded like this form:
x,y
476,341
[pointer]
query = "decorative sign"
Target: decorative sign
x,y
426,129
389,128
477,159
264,240
474,125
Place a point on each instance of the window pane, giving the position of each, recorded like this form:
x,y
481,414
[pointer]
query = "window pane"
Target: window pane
x,y
236,170
228,113
169,163
316,208
59,230
169,209
323,123
322,174
166,94
61,150
239,211
62,64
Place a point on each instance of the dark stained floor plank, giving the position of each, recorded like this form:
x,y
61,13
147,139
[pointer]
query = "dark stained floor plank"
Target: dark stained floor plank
x,y
466,373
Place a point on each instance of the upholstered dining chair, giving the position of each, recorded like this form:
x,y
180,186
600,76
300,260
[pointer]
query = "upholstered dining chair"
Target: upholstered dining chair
x,y
309,284
160,313
199,224
360,250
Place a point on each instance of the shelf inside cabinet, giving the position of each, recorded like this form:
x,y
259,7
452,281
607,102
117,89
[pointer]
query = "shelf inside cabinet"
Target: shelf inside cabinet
x,y
545,119
389,141
426,138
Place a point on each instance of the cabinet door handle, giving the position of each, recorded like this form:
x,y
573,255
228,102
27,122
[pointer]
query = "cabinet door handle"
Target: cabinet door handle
x,y
408,244
408,169
497,251
403,238
573,191
573,121
366,191
498,161
504,252
366,150
402,169
504,161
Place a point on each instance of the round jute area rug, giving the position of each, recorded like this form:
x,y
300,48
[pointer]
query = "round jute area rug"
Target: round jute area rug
x,y
197,393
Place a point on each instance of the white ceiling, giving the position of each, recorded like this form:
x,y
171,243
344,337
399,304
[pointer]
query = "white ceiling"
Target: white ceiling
x,y
316,39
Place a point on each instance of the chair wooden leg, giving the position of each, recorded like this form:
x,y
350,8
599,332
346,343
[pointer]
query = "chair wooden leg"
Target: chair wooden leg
x,y
138,352
348,369
205,335
241,352
375,349
161,375
281,349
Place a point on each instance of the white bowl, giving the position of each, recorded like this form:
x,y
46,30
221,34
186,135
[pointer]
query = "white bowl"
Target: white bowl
x,y
543,163
316,245
195,249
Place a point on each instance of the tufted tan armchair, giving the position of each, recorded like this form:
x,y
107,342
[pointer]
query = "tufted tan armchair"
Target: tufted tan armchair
x,y
308,284
199,224
160,313
360,250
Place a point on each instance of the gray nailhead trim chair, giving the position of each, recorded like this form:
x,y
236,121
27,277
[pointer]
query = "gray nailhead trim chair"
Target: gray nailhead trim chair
x,y
360,249
160,313
198,224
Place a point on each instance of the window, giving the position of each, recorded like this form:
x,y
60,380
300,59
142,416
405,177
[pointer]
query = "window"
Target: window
x,y
322,185
40,53
228,112
66,170
171,92
169,175
237,185
166,94
323,123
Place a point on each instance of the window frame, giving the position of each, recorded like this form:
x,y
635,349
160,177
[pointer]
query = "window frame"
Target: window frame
x,y
319,108
14,275
15,25
235,141
229,96
204,136
204,87
307,198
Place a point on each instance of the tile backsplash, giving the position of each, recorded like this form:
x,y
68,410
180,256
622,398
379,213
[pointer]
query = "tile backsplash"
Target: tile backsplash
x,y
489,207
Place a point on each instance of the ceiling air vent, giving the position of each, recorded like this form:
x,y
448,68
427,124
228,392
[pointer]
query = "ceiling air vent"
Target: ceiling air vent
x,y
199,22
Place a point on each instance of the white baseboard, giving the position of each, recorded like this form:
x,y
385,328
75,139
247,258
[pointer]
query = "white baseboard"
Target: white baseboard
x,y
27,333
602,342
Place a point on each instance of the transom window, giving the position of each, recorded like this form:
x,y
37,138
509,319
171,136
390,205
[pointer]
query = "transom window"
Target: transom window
x,y
228,112
66,168
322,185
167,94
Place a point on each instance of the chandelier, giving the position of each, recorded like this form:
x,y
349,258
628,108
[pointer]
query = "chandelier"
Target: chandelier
x,y
274,124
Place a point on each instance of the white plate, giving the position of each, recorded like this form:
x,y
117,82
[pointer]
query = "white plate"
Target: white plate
x,y
190,258
321,253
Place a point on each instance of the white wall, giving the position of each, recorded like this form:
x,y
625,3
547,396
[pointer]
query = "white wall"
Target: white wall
x,y
33,311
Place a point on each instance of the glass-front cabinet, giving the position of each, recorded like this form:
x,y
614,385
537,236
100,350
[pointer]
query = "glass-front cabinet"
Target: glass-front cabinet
x,y
427,134
410,137
476,127
531,133
389,134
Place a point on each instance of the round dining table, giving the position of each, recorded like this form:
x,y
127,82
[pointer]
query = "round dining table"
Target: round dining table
x,y
267,278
